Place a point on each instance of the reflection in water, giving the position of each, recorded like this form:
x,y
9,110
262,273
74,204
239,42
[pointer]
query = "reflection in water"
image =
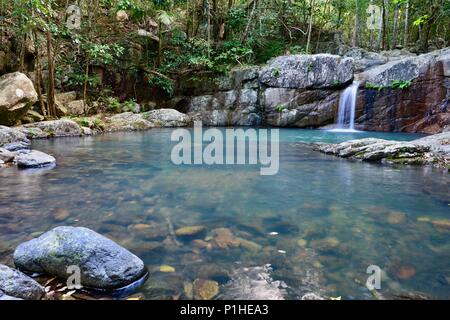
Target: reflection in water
x,y
319,223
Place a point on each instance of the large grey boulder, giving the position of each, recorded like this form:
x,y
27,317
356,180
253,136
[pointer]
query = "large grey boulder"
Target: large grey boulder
x,y
11,135
34,159
103,263
54,128
6,155
128,121
319,71
15,284
17,95
167,118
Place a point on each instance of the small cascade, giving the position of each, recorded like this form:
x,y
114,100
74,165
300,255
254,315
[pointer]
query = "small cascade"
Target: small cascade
x,y
347,107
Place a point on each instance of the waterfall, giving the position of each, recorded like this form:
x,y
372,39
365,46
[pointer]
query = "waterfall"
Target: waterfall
x,y
347,106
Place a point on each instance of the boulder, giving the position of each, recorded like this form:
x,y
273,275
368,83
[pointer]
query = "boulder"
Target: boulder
x,y
66,97
167,118
11,135
299,108
320,71
432,150
17,95
226,108
103,263
15,284
54,128
6,155
35,116
34,159
128,121
17,146
75,107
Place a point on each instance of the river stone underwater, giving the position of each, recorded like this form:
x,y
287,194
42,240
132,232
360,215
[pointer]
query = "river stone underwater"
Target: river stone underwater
x,y
319,223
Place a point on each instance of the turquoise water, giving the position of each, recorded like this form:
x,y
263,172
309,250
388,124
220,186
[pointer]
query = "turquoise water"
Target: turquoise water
x,y
319,223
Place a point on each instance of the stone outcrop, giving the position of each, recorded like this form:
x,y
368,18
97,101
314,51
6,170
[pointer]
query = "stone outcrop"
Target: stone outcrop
x,y
321,71
103,263
422,106
297,108
16,285
432,150
291,91
54,128
17,95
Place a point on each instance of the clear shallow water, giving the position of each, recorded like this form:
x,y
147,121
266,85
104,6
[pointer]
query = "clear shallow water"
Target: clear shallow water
x,y
333,217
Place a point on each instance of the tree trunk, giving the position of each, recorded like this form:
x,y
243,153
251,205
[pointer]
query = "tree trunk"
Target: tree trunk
x,y
51,76
249,23
308,42
380,31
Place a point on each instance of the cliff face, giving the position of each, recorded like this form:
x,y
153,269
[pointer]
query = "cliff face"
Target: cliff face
x,y
423,106
402,93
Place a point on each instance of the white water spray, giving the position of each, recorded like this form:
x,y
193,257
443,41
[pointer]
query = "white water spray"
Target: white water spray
x,y
347,107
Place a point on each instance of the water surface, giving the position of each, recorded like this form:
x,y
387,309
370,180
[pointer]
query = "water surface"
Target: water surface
x,y
319,223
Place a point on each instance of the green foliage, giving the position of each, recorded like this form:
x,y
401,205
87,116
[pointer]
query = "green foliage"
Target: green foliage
x,y
163,83
104,54
372,86
275,72
112,104
395,84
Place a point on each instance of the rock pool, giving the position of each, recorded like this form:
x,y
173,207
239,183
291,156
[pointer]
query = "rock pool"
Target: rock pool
x,y
319,224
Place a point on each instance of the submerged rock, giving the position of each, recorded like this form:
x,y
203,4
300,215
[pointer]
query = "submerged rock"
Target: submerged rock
x,y
205,289
254,283
103,263
18,285
34,159
189,231
17,95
